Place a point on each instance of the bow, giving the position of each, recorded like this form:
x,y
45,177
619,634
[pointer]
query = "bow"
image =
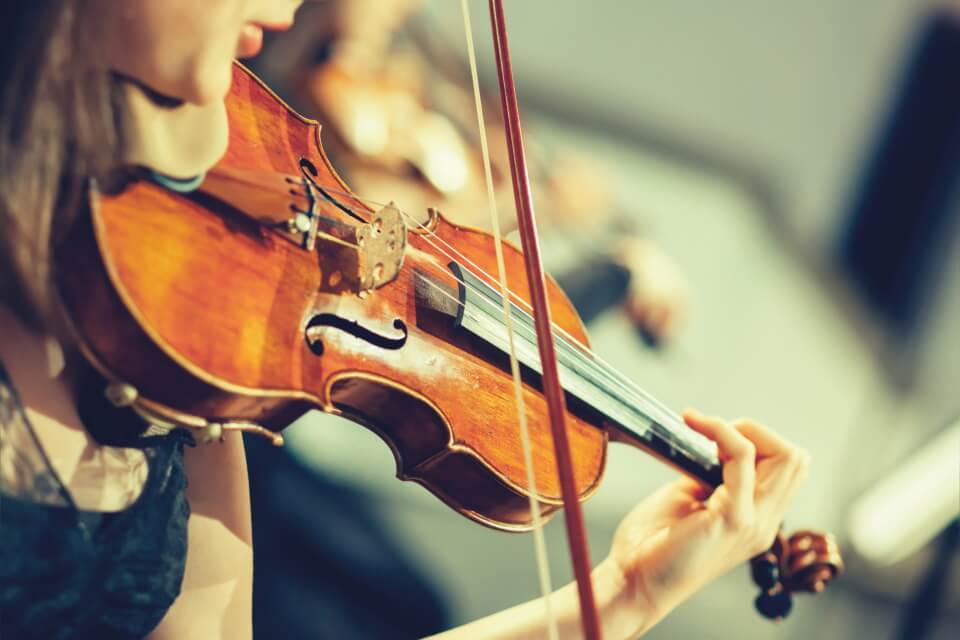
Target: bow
x,y
553,392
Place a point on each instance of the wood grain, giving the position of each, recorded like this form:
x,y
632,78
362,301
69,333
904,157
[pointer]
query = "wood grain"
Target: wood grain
x,y
204,310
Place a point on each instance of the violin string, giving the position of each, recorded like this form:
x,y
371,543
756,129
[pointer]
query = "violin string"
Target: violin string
x,y
605,367
539,543
632,398
630,390
464,261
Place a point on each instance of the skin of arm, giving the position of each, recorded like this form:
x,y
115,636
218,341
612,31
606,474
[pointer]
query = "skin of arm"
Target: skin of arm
x,y
529,620
216,598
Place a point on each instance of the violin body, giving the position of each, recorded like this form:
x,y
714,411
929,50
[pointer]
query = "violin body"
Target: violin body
x,y
206,312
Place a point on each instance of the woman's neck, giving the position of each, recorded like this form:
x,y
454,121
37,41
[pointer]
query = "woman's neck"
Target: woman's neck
x,y
181,141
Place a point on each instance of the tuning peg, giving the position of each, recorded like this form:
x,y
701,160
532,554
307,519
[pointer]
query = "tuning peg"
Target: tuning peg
x,y
775,604
765,571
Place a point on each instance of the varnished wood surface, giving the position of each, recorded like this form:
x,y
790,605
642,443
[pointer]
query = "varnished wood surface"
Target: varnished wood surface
x,y
205,310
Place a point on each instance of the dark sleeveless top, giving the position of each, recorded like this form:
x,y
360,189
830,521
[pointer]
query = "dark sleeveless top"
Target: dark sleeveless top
x,y
69,573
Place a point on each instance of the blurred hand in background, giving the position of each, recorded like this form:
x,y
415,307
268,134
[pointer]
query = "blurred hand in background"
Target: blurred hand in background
x,y
658,297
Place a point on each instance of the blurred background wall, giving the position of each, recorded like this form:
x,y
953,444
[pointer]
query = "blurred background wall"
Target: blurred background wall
x,y
789,91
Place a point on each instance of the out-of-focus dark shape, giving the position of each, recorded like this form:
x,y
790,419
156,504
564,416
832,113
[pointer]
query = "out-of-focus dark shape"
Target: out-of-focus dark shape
x,y
908,200
595,285
637,276
926,605
325,566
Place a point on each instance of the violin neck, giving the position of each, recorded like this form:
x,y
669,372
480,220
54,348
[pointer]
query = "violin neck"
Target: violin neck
x,y
665,447
631,414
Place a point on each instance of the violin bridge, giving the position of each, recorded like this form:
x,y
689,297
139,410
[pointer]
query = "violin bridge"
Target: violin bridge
x,y
354,258
357,259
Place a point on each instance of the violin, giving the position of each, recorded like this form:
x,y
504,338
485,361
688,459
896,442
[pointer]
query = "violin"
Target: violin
x,y
271,289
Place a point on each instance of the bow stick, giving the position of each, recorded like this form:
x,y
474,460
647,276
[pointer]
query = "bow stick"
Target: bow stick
x,y
556,406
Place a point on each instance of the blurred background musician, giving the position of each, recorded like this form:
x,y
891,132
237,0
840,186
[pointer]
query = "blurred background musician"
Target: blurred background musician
x,y
400,124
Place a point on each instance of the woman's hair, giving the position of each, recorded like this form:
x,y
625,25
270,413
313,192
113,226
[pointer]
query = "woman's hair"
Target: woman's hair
x,y
60,123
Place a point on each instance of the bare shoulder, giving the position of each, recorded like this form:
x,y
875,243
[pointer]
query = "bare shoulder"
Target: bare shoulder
x,y
98,478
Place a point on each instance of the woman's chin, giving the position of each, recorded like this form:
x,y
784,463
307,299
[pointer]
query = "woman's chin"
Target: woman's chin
x,y
211,89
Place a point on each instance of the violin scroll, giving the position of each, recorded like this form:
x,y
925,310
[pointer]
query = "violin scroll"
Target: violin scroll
x,y
806,561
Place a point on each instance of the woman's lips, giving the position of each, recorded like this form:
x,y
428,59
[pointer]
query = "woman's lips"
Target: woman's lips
x,y
275,26
250,42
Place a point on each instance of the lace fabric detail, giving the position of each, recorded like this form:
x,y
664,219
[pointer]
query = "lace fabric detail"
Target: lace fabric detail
x,y
69,573
25,471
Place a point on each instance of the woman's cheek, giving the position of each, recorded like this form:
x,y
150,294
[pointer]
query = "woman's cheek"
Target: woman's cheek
x,y
215,83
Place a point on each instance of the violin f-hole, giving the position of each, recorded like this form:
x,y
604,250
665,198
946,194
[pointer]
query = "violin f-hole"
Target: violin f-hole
x,y
309,171
315,330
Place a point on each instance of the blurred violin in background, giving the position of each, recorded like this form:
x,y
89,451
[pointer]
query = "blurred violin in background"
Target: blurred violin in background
x,y
399,124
